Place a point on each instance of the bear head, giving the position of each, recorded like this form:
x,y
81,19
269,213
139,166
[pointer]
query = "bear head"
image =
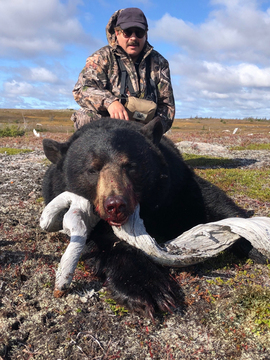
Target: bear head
x,y
115,164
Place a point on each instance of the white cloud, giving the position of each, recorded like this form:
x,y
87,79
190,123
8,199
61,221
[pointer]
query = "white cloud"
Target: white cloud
x,y
237,32
222,65
30,27
22,94
207,88
214,95
44,75
39,86
225,77
14,88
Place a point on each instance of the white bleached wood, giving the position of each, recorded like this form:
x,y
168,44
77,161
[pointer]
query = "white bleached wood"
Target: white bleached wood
x,y
199,243
194,246
77,222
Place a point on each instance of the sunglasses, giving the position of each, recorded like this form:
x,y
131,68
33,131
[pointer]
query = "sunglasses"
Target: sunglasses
x,y
129,32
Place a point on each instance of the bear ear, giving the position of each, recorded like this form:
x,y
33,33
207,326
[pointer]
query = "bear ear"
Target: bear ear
x,y
54,150
153,130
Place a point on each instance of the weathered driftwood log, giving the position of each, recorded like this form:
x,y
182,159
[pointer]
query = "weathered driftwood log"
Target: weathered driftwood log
x,y
194,246
199,243
78,221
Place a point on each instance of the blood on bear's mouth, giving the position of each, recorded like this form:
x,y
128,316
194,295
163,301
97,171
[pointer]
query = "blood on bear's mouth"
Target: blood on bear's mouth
x,y
115,210
117,222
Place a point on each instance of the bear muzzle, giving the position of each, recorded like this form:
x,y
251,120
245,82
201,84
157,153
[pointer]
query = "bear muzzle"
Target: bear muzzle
x,y
115,199
116,210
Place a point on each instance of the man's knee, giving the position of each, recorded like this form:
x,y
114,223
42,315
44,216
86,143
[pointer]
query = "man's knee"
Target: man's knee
x,y
82,117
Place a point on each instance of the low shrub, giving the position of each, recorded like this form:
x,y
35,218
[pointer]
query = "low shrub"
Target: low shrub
x,y
11,131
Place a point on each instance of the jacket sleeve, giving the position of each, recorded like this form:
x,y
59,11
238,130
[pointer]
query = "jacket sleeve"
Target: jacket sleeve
x,y
165,103
91,91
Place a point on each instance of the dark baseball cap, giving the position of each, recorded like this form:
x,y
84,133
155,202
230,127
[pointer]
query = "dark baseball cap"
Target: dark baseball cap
x,y
132,17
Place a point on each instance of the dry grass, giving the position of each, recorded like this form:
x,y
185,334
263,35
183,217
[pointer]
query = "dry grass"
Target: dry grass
x,y
224,126
59,120
41,120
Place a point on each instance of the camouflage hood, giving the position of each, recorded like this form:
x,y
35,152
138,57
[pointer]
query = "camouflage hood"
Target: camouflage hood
x,y
110,28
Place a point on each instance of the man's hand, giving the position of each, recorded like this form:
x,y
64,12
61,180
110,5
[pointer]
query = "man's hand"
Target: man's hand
x,y
118,111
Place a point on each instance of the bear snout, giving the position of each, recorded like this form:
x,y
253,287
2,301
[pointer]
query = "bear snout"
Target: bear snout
x,y
116,210
115,199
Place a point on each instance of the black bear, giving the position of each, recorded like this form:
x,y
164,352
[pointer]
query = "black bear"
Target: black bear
x,y
117,164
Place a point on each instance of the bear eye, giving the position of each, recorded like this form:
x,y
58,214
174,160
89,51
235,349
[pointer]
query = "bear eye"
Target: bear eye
x,y
131,168
94,167
92,171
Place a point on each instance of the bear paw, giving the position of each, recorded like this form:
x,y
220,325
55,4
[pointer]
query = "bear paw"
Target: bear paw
x,y
137,283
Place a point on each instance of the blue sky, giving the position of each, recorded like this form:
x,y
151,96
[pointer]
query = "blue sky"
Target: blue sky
x,y
218,51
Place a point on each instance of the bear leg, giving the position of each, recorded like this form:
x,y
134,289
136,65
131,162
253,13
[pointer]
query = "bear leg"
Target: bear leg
x,y
133,279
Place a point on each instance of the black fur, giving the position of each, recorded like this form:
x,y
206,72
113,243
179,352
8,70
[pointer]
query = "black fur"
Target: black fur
x,y
172,200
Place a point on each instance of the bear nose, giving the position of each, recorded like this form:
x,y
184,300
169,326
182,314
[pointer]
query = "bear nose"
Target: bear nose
x,y
115,205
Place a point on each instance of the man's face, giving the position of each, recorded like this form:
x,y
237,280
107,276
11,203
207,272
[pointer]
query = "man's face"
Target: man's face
x,y
131,41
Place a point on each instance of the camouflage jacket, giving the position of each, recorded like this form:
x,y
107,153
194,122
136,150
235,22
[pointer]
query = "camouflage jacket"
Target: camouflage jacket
x,y
99,82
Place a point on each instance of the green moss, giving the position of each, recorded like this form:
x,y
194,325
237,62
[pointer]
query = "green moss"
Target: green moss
x,y
117,309
242,311
250,183
46,162
252,147
251,309
12,151
255,306
200,161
